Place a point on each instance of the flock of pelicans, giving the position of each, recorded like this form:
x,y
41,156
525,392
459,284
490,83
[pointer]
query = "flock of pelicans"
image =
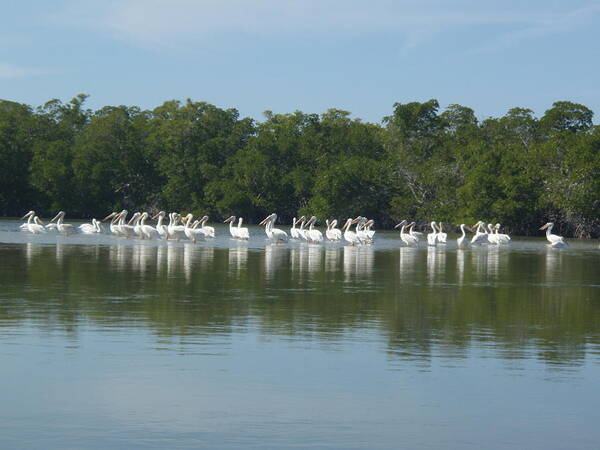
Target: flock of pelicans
x,y
185,227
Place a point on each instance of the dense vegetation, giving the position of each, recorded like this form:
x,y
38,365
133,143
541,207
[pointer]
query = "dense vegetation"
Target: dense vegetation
x,y
419,163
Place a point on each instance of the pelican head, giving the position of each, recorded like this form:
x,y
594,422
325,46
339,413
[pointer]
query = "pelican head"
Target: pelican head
x,y
60,214
270,218
548,225
29,214
229,219
400,224
159,214
110,216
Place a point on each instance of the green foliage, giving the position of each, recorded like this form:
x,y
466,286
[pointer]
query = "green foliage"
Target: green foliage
x,y
421,163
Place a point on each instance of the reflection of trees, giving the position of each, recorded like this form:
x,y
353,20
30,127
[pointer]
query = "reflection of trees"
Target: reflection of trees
x,y
424,301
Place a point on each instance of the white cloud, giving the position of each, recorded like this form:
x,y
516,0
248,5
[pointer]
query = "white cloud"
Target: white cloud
x,y
8,71
158,23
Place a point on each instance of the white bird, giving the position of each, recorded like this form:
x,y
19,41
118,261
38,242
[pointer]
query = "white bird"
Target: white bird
x,y
208,230
125,229
480,236
61,227
441,236
416,234
555,240
502,238
333,233
161,228
232,229
191,232
491,236
274,234
294,232
407,238
462,242
313,235
90,228
370,233
242,232
360,230
175,231
432,237
349,235
148,231
301,231
29,216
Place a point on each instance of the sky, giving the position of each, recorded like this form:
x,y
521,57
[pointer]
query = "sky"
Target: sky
x,y
309,55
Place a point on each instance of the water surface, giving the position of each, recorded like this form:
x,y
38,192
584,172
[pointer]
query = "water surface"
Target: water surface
x,y
107,342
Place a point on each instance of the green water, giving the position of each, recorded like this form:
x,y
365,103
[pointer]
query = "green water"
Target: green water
x,y
109,343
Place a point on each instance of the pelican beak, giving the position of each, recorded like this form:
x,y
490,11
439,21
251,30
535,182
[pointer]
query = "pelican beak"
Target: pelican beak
x,y
470,229
544,227
110,216
156,216
55,217
355,220
265,220
27,215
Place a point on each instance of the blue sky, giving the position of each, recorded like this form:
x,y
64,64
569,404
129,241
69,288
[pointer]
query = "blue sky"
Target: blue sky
x,y
310,55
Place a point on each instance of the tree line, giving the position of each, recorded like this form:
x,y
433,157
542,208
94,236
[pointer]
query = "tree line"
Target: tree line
x,y
419,163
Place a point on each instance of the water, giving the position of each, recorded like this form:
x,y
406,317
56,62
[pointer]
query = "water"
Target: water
x,y
109,343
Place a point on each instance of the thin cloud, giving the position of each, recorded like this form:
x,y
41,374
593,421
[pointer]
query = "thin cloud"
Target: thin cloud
x,y
181,22
9,71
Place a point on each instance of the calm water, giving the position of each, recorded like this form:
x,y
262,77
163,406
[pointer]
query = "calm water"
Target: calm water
x,y
108,343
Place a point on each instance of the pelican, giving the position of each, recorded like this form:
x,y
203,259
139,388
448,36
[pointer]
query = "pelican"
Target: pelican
x,y
370,233
191,232
29,216
441,236
147,231
90,228
555,240
242,232
125,229
175,231
461,241
34,225
360,230
64,228
432,237
491,236
232,229
208,231
480,236
302,233
416,234
161,228
275,234
502,238
333,233
312,234
349,235
294,232
409,240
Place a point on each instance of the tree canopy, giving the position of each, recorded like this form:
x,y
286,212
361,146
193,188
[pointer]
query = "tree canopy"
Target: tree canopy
x,y
419,163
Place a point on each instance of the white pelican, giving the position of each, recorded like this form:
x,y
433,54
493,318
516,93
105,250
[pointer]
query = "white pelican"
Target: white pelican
x,y
208,231
161,228
64,228
192,232
370,233
416,234
242,232
333,233
313,235
294,232
147,231
29,216
407,238
124,229
491,236
432,237
113,223
275,234
349,235
360,230
555,240
441,236
502,238
34,225
302,233
232,229
480,236
175,231
461,241
90,228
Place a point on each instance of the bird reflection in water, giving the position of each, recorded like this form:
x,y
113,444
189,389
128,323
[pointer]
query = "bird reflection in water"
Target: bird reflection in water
x,y
276,256
436,264
460,265
358,261
407,262
238,258
332,258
